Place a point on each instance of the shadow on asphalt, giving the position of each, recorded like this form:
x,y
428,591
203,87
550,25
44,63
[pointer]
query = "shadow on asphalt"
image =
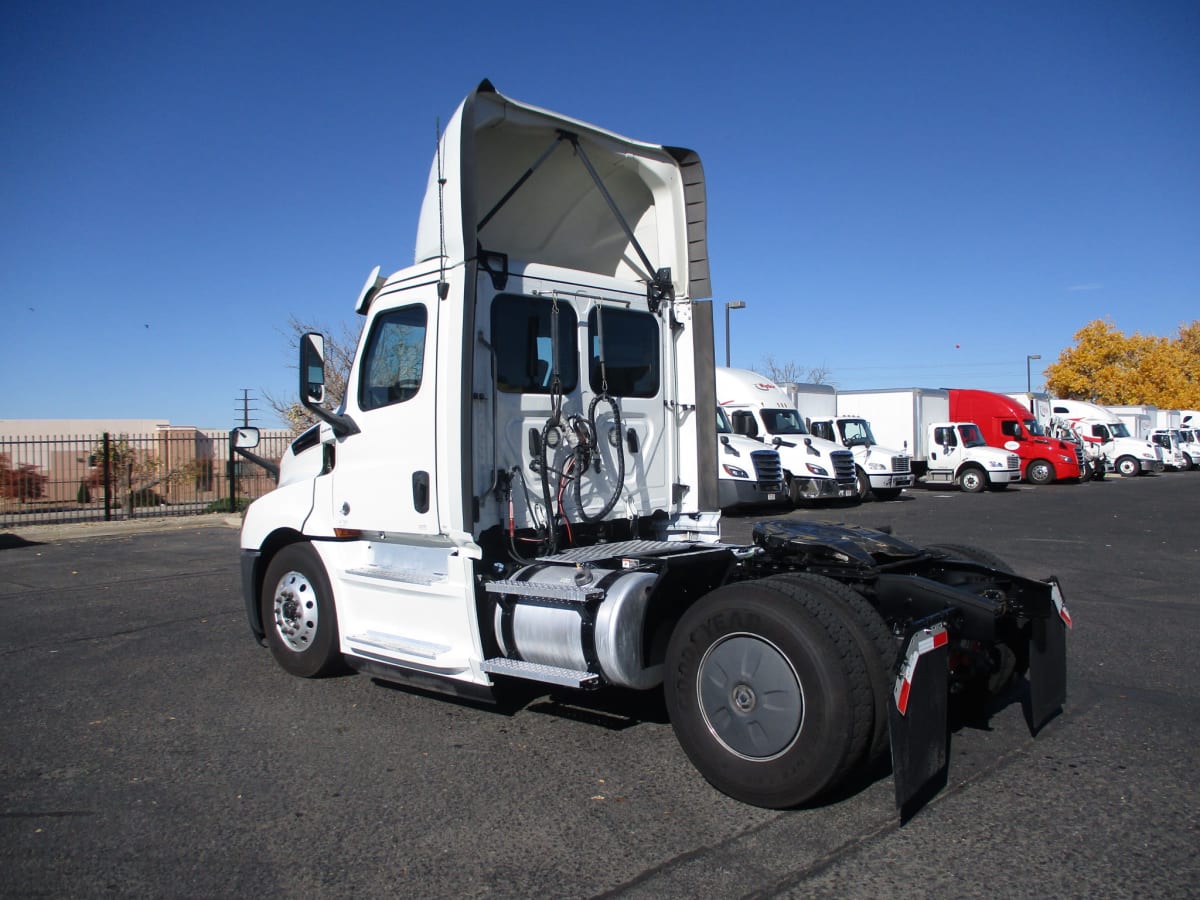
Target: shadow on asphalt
x,y
13,541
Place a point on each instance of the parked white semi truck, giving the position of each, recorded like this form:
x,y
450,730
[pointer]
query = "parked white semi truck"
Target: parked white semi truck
x,y
1106,434
520,485
943,451
748,474
815,469
882,472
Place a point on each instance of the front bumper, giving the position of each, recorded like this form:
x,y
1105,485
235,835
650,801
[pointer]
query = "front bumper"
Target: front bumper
x,y
731,493
890,480
1004,476
823,488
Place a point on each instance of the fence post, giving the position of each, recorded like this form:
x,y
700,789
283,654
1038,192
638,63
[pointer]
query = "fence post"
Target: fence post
x,y
107,481
233,485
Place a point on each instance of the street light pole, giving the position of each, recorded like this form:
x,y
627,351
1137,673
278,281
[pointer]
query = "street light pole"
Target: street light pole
x,y
1028,377
732,304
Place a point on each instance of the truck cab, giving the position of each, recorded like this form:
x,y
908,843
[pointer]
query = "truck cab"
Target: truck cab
x,y
749,474
1110,437
1006,424
957,453
815,469
883,473
1174,452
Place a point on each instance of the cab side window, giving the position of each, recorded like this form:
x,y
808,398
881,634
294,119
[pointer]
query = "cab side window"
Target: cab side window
x,y
394,361
945,437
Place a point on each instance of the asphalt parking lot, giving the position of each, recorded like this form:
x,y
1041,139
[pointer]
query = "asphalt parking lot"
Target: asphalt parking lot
x,y
151,748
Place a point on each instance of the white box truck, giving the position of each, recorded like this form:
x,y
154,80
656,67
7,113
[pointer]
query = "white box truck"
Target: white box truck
x,y
882,472
520,486
943,451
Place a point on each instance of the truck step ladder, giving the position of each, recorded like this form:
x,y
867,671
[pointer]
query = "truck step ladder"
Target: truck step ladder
x,y
519,668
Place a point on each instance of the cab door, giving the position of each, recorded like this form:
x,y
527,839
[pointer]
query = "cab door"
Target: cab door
x,y
384,477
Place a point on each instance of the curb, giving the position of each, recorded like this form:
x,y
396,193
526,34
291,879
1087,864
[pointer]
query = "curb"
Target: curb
x,y
84,530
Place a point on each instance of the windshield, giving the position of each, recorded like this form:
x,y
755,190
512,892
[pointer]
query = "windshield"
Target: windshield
x,y
783,421
856,432
723,426
1034,427
970,435
1119,430
1186,435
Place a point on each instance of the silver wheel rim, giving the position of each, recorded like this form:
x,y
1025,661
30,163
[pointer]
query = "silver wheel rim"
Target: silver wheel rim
x,y
750,697
295,611
971,481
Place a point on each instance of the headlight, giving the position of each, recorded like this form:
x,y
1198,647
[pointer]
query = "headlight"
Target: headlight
x,y
877,467
1067,459
734,471
816,470
994,464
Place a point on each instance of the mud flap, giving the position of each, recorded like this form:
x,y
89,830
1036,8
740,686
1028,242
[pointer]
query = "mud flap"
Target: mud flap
x,y
1048,663
917,719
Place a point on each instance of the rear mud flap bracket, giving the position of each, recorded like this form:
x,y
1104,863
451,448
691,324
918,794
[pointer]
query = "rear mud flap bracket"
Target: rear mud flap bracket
x,y
1048,663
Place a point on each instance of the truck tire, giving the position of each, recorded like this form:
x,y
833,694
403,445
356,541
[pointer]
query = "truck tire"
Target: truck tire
x,y
298,614
875,641
1039,472
864,484
1129,467
972,479
768,694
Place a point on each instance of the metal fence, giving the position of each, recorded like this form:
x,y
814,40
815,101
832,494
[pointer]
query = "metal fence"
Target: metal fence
x,y
96,477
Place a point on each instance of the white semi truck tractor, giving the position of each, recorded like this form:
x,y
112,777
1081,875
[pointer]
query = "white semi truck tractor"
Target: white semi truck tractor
x,y
1104,433
520,486
883,473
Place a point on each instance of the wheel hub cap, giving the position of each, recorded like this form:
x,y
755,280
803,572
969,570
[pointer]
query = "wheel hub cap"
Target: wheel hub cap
x,y
750,697
295,607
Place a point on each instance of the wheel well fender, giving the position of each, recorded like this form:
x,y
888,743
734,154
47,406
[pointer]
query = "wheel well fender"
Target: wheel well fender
x,y
252,585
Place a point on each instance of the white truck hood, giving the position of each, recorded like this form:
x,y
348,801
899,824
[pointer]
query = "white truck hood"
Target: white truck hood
x,y
514,179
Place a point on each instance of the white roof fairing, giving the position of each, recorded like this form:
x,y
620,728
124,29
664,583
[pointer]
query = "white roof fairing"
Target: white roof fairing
x,y
558,216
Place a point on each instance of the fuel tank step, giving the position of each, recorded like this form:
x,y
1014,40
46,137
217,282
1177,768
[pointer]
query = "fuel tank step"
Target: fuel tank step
x,y
519,668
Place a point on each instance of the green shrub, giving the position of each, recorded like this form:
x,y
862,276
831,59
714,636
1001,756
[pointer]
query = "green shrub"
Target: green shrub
x,y
223,505
146,497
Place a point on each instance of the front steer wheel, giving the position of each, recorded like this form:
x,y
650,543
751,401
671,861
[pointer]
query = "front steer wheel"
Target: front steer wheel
x,y
768,696
298,614
1129,467
973,480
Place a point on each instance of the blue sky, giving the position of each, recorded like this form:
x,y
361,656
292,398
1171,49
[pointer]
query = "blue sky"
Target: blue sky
x,y
902,193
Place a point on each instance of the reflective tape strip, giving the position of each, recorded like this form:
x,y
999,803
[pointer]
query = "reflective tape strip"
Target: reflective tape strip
x,y
918,645
1057,597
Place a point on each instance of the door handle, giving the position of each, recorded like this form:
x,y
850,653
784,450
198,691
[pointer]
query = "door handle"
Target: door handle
x,y
420,489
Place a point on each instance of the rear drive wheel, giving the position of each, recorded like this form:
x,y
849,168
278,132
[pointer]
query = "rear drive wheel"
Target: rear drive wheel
x,y
1039,472
768,694
872,635
1128,466
972,479
298,614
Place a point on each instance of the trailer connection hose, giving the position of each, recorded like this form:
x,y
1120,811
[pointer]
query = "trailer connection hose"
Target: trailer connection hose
x,y
587,453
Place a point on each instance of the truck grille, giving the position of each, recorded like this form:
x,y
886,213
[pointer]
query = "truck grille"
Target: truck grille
x,y
901,463
1079,457
768,470
843,467
1014,461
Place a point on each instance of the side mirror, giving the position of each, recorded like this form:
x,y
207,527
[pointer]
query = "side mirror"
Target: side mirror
x,y
245,438
312,368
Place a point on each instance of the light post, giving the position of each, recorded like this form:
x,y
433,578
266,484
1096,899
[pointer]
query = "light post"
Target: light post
x,y
1028,377
732,304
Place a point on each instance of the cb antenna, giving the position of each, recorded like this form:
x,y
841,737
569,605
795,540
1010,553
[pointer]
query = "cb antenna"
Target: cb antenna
x,y
443,288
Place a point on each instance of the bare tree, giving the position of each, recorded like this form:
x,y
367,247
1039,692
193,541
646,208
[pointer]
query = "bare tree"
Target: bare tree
x,y
791,371
340,344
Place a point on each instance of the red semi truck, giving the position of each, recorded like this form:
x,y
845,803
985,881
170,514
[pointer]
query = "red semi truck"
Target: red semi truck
x,y
1006,423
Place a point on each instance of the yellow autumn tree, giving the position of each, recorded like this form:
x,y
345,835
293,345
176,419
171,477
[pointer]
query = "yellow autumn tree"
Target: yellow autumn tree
x,y
1108,367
